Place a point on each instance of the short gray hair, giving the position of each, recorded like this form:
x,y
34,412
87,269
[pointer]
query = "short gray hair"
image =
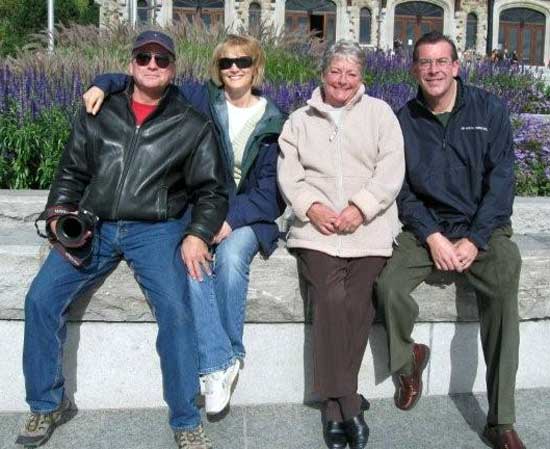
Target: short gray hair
x,y
344,49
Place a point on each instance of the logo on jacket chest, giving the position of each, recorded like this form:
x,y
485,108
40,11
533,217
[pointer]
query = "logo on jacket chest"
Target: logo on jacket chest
x,y
474,128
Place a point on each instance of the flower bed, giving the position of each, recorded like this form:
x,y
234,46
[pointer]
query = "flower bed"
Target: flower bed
x,y
39,94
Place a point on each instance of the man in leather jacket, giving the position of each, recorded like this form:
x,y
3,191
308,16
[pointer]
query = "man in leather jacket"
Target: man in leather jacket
x,y
136,165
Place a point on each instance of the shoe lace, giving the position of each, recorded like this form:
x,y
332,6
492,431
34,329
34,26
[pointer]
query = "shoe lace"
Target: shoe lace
x,y
38,421
193,439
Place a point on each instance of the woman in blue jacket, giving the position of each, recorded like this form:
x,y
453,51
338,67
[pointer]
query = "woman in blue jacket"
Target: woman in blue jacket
x,y
248,125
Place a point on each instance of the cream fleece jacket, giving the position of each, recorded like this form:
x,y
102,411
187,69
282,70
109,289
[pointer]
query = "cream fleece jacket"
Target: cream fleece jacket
x,y
359,162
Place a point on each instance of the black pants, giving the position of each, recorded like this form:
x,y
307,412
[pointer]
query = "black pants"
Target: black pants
x,y
340,290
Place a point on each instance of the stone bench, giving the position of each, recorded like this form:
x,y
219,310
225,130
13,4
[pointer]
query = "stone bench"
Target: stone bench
x,y
114,330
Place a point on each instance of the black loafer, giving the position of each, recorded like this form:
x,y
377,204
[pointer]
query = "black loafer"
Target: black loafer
x,y
334,434
357,431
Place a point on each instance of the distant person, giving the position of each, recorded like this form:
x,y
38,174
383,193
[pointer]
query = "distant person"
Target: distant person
x,y
455,206
136,166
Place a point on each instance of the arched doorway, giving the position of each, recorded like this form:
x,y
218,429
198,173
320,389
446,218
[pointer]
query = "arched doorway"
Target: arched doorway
x,y
315,16
413,19
209,11
522,30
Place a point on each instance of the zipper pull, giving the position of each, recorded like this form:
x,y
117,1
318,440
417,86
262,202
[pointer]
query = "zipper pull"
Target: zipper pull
x,y
333,135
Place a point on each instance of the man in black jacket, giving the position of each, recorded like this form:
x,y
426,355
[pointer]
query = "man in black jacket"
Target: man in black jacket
x,y
455,206
136,166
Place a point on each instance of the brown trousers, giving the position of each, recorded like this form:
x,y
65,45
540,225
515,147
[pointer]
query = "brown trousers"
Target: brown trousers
x,y
340,291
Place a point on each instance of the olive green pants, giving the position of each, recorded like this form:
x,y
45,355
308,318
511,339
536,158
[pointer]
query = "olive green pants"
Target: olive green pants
x,y
494,275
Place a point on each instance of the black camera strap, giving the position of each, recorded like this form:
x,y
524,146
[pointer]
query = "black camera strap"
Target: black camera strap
x,y
76,256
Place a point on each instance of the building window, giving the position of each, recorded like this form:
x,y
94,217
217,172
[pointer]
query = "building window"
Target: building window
x,y
254,16
522,35
145,11
365,26
317,17
210,12
413,19
471,32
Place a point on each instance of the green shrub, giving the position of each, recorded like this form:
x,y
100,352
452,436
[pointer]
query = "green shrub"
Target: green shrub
x,y
30,151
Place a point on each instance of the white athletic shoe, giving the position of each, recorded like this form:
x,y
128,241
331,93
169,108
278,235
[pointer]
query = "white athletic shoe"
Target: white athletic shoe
x,y
217,388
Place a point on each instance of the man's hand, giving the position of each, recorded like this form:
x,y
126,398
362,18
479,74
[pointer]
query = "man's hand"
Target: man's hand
x,y
223,233
444,253
93,99
349,220
323,218
466,252
196,257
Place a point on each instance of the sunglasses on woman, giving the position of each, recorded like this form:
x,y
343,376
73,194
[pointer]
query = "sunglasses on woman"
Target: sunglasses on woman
x,y
162,61
243,62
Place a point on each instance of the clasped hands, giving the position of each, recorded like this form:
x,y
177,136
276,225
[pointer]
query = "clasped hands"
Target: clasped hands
x,y
328,222
451,256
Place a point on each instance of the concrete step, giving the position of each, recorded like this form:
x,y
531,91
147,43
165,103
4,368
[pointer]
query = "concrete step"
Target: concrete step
x,y
115,365
437,422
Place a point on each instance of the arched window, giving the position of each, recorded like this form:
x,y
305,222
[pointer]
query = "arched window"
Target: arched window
x,y
413,19
522,31
365,26
254,16
471,31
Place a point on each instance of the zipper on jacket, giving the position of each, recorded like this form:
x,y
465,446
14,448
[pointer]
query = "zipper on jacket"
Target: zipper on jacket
x,y
340,178
334,134
122,181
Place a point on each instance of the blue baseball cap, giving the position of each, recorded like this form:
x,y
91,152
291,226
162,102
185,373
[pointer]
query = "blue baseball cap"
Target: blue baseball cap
x,y
155,37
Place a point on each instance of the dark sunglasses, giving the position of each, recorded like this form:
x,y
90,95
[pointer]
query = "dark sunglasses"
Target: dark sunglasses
x,y
244,62
162,61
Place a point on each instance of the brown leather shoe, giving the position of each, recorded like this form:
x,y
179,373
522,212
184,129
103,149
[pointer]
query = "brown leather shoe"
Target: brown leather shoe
x,y
409,390
507,439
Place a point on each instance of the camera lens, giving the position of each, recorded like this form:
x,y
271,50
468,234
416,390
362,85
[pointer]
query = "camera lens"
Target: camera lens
x,y
70,230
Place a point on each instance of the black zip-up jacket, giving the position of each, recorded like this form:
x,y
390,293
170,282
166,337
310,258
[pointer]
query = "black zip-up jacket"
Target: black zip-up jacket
x,y
459,178
120,171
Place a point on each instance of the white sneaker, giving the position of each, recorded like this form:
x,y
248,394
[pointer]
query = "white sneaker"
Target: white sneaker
x,y
218,385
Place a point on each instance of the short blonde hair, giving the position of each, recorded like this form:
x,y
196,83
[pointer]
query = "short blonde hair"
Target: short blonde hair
x,y
250,46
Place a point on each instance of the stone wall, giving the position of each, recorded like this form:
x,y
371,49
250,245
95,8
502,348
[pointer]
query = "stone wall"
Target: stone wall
x,y
274,294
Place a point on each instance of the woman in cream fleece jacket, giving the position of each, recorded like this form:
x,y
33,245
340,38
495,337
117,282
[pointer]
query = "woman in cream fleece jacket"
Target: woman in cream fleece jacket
x,y
340,168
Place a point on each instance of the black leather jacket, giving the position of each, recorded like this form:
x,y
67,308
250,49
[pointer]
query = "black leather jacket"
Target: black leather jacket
x,y
120,171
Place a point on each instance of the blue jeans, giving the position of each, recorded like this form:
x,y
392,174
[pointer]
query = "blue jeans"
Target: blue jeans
x,y
152,252
219,301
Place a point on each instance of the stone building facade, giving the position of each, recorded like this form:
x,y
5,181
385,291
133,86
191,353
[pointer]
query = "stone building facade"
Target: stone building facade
x,y
477,26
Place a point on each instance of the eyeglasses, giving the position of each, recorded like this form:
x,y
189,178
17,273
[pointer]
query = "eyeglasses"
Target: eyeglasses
x,y
243,62
440,63
162,61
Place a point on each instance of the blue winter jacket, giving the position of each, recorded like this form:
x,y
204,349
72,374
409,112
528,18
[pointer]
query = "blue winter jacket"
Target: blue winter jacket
x,y
256,201
460,177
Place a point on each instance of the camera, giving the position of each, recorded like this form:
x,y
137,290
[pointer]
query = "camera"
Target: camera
x,y
72,229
